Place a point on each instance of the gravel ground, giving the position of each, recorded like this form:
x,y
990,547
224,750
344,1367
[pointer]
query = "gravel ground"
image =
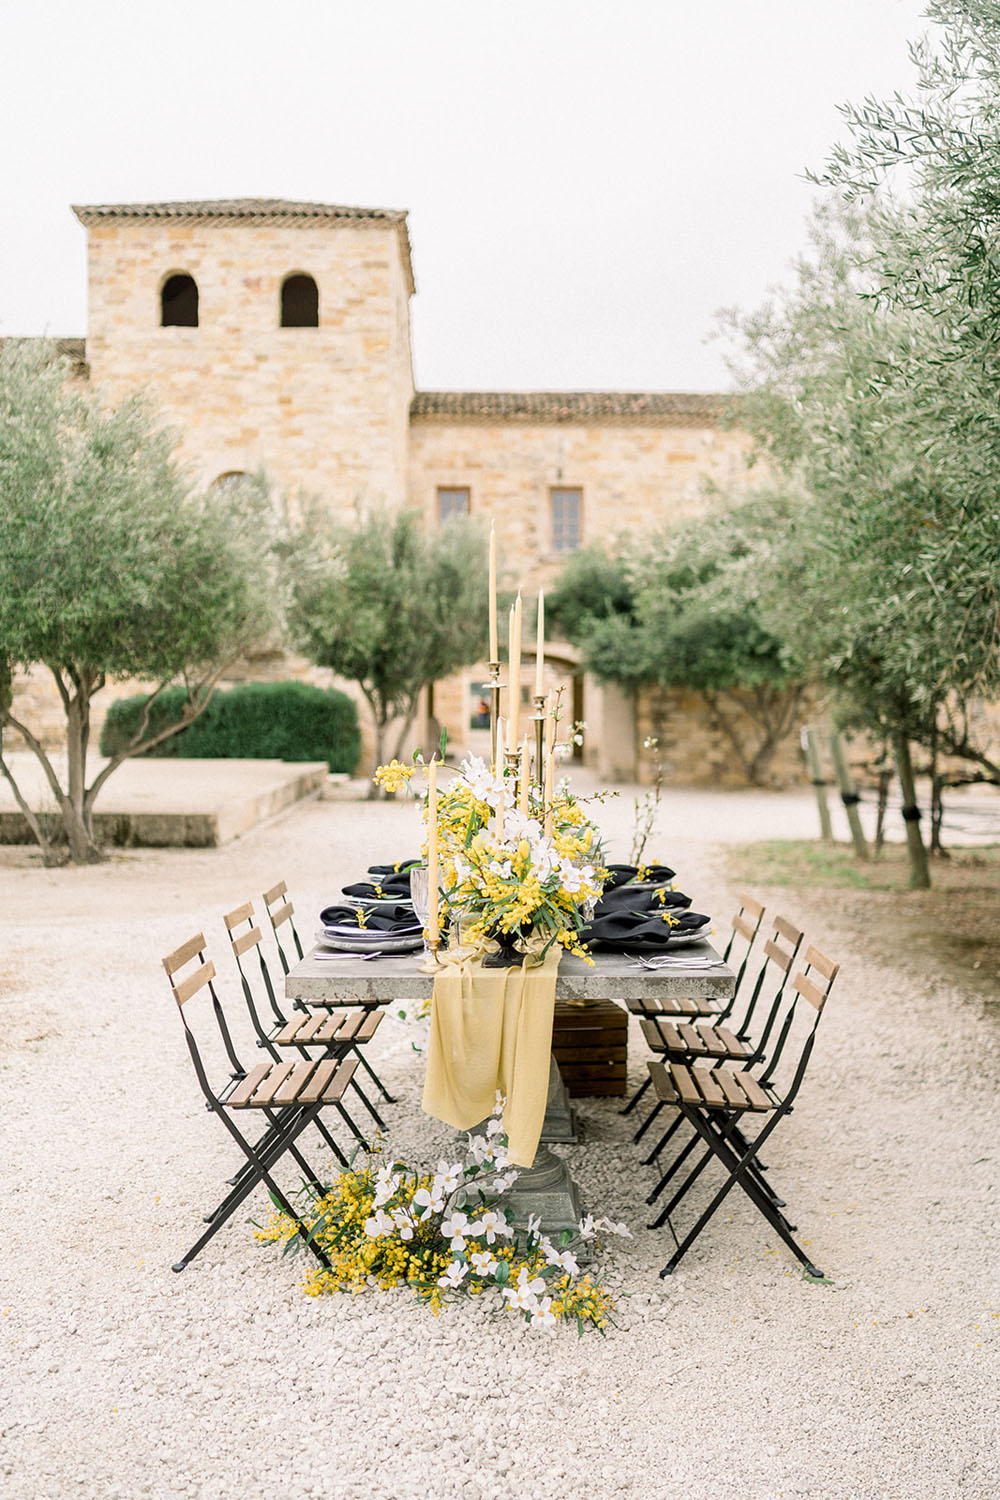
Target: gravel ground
x,y
733,1380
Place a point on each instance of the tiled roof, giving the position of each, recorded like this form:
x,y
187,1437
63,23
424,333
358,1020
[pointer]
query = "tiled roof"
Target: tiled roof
x,y
250,210
75,350
656,408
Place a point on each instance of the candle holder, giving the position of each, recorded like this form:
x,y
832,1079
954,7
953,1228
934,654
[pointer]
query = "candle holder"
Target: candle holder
x,y
495,686
538,719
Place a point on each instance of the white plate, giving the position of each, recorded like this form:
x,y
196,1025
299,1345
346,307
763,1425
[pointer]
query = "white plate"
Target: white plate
x,y
389,944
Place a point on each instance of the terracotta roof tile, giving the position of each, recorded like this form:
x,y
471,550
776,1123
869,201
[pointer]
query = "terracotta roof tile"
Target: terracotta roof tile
x,y
656,408
251,210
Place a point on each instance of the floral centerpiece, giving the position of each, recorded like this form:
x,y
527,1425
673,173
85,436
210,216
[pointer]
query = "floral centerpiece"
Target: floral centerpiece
x,y
518,873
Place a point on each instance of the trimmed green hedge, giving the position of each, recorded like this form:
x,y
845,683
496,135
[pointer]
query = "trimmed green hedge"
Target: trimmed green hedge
x,y
255,721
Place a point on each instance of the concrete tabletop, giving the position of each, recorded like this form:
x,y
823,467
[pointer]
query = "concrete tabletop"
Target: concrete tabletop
x,y
614,976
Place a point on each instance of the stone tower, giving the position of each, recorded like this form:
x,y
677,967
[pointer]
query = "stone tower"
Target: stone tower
x,y
271,334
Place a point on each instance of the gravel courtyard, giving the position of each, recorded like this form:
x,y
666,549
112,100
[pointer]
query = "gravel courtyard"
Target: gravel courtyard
x,y
734,1380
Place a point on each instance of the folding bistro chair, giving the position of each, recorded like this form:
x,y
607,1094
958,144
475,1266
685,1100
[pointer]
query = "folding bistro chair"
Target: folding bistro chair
x,y
713,1041
287,1096
716,1101
745,926
281,915
334,1032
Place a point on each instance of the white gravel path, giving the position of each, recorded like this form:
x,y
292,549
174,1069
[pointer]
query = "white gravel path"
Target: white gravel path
x,y
734,1380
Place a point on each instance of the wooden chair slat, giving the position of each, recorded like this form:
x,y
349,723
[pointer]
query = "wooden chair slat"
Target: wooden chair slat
x,y
735,1097
291,1034
814,959
321,1076
670,1037
272,1083
282,915
711,1092
780,957
756,1095
651,1033
752,908
194,982
294,1083
242,913
339,1083
732,1046
689,1039
316,1027
244,1092
274,893
184,954
329,1026
369,1026
712,1041
810,991
684,1084
787,930
662,1086
743,927
246,940
352,1024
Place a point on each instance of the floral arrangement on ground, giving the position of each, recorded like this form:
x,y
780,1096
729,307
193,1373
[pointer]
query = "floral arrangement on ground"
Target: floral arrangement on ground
x,y
446,1234
513,865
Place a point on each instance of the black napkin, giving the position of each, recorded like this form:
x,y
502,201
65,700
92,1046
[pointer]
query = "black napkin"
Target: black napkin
x,y
384,886
639,898
623,929
398,918
401,867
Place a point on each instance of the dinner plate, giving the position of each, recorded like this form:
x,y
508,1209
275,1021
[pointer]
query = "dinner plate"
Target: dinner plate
x,y
388,944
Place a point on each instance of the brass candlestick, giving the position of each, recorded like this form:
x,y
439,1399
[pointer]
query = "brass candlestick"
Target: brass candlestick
x,y
495,686
538,719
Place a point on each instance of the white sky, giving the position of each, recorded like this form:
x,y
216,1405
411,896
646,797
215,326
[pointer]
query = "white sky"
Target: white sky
x,y
588,180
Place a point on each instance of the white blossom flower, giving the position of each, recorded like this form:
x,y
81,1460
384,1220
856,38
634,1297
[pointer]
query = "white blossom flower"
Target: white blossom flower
x,y
454,1275
489,1224
430,1200
500,1103
454,1227
403,1223
484,1263
564,1259
379,1224
534,1225
386,1183
570,877
504,1181
447,1178
542,1316
493,1126
524,1295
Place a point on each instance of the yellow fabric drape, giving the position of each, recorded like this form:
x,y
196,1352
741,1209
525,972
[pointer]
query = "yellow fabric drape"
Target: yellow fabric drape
x,y
492,1029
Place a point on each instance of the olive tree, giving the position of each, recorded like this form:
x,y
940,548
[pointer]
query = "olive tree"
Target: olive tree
x,y
110,569
387,606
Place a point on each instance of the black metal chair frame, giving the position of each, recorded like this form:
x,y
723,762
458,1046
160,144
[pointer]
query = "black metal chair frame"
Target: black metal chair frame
x,y
285,1123
746,925
775,956
718,1124
279,912
267,1036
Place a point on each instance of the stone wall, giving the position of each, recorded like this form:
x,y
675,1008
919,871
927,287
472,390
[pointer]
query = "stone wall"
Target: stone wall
x,y
632,476
323,410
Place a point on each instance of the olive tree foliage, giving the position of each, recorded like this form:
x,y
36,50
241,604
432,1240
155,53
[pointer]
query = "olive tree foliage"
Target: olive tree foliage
x,y
110,568
873,385
389,607
682,609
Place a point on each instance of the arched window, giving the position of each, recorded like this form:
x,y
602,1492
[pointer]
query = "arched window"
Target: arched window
x,y
299,302
229,480
179,302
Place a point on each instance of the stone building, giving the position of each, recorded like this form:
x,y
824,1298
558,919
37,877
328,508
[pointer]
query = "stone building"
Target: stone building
x,y
275,335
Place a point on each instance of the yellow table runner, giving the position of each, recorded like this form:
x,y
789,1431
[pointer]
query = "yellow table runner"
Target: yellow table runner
x,y
492,1029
